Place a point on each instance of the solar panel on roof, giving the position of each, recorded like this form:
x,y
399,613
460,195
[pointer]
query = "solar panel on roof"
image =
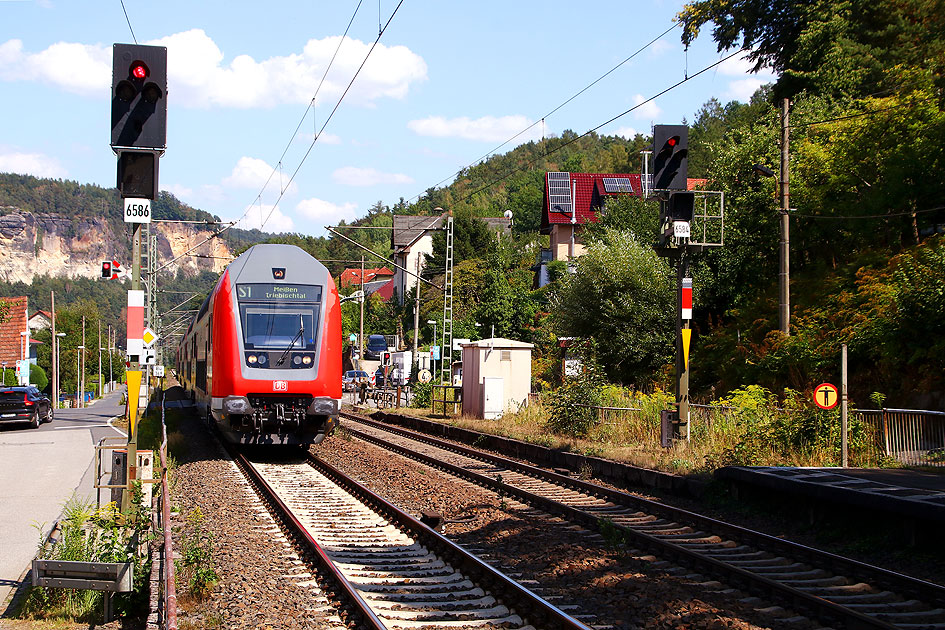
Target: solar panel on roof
x,y
617,185
559,192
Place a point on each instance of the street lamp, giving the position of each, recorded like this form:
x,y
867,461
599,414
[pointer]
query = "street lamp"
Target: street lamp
x,y
432,360
26,357
78,380
58,375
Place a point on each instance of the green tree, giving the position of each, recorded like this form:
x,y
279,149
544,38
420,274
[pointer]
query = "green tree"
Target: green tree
x,y
621,297
841,48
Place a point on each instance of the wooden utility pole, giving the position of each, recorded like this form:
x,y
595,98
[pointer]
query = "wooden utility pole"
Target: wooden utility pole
x,y
784,271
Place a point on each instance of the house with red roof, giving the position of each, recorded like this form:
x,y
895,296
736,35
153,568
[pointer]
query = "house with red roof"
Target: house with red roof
x,y
15,341
40,320
352,277
574,200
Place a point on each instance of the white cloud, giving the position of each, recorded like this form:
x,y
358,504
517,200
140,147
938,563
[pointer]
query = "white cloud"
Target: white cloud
x,y
180,191
485,129
324,138
742,89
323,213
35,164
628,133
649,111
267,218
255,173
737,66
329,138
659,48
78,68
354,176
746,81
198,75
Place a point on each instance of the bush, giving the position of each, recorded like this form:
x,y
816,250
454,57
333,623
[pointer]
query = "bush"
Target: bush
x,y
38,377
573,406
196,563
422,395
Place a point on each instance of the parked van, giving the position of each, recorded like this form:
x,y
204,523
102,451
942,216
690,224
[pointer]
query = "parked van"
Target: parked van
x,y
376,344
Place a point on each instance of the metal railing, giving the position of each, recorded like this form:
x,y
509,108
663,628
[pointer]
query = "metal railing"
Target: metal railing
x,y
169,581
910,436
444,395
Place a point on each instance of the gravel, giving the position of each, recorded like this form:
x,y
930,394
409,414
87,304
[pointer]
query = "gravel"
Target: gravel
x,y
263,584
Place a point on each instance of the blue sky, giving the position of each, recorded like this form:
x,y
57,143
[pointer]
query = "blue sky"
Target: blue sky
x,y
447,83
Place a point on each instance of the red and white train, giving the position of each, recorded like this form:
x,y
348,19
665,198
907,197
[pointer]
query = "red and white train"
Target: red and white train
x,y
262,358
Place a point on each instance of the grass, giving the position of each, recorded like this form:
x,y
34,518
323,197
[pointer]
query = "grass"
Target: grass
x,y
747,428
88,534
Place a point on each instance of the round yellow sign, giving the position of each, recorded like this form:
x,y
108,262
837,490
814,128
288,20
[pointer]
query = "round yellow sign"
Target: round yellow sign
x,y
826,396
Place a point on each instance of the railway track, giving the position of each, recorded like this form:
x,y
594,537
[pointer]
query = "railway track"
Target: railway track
x,y
387,569
831,588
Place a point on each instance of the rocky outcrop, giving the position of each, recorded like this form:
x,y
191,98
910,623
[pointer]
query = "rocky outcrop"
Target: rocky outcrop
x,y
36,244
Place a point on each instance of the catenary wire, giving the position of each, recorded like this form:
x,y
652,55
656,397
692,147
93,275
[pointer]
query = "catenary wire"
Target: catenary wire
x,y
125,11
590,131
553,111
334,109
304,157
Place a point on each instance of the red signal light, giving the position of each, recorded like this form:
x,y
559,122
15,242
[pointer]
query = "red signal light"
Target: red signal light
x,y
139,70
672,141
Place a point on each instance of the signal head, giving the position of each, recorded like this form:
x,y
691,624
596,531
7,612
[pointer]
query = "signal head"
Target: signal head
x,y
139,70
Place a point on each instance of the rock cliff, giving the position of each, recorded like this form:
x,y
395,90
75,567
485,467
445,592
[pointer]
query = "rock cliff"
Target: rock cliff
x,y
36,244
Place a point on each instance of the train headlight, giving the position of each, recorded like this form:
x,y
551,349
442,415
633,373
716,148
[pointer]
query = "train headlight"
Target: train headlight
x,y
236,405
263,359
324,406
251,359
296,360
306,360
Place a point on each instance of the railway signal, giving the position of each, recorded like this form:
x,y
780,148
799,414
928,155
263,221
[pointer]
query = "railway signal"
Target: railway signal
x,y
670,150
112,270
139,96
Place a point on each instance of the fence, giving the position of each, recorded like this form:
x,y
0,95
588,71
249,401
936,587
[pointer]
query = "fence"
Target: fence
x,y
912,437
446,395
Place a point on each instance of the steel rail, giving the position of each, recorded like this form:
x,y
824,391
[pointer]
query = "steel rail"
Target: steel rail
x,y
362,613
733,575
904,584
535,608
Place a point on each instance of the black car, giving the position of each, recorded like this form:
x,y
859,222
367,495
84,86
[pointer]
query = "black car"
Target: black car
x,y
24,404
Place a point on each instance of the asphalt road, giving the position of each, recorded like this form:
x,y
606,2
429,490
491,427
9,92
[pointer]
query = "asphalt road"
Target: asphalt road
x,y
40,470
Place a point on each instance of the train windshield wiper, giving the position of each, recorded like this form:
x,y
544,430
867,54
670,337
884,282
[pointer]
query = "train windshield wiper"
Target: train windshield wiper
x,y
294,339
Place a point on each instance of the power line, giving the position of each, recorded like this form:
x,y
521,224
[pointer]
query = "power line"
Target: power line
x,y
334,110
311,104
590,131
861,114
304,157
553,111
869,216
129,22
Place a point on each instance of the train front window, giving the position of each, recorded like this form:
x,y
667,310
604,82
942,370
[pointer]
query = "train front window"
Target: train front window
x,y
272,316
274,328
